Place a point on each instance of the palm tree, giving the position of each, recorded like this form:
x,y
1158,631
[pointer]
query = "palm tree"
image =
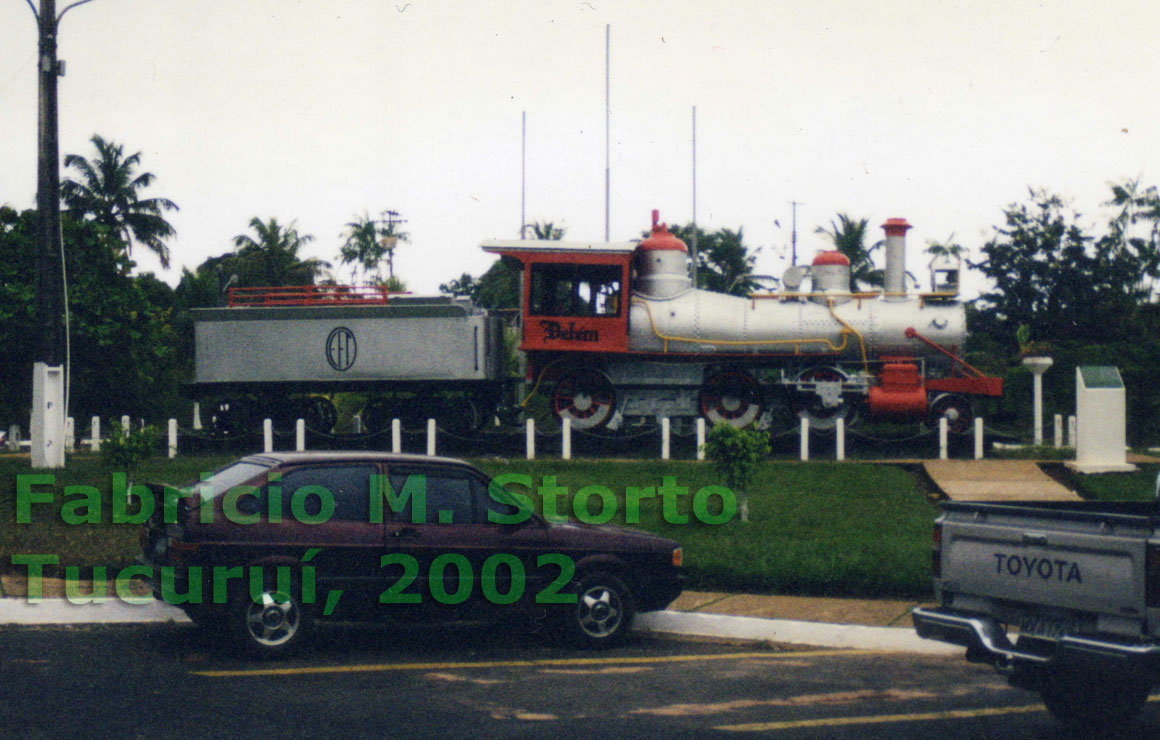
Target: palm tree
x,y
108,192
272,258
369,241
849,238
547,230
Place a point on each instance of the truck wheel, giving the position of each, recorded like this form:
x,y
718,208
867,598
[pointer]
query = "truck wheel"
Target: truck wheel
x,y
1095,701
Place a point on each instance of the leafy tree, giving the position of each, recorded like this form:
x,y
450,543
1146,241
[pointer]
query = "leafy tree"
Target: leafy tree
x,y
108,191
270,256
736,453
464,286
1049,274
849,237
368,241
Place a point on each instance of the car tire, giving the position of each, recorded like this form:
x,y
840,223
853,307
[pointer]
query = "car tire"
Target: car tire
x,y
274,625
602,614
1094,702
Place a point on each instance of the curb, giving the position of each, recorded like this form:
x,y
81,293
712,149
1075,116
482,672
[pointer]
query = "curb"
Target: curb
x,y
15,611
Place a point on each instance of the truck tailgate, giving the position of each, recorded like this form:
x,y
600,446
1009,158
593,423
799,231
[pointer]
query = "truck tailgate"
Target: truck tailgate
x,y
1081,563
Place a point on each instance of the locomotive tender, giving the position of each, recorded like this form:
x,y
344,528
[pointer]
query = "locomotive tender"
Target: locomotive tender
x,y
613,334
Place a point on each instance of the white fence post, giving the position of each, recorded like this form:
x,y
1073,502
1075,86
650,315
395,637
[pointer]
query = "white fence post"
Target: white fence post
x,y
268,435
840,439
665,438
14,438
125,425
300,435
1071,431
700,438
942,438
396,436
430,437
1058,431
197,416
565,438
95,443
978,438
805,441
70,434
172,438
531,436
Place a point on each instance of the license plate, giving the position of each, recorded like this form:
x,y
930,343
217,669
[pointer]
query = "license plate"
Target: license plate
x,y
1047,628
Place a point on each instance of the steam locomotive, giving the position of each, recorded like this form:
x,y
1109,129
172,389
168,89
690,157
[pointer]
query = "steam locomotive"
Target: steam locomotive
x,y
612,334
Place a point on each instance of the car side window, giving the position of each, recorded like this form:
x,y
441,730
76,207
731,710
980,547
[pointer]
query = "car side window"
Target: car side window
x,y
449,496
348,485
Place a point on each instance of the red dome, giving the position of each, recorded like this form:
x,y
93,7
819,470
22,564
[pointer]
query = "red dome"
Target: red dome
x,y
660,240
831,258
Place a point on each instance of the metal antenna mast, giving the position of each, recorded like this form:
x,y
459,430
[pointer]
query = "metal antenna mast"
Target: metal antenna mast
x,y
607,119
793,237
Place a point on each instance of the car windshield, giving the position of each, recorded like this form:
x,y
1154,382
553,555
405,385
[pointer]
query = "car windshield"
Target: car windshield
x,y
223,479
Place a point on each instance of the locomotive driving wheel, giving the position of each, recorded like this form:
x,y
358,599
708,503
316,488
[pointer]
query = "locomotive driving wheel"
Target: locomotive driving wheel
x,y
955,408
586,397
731,396
821,400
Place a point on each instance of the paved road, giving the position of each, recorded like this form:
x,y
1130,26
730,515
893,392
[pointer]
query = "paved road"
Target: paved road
x,y
169,681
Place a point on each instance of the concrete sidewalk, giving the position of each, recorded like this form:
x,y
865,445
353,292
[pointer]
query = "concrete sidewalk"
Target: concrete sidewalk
x,y
824,622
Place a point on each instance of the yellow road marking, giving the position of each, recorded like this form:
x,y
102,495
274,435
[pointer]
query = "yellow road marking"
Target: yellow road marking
x,y
880,719
887,718
553,662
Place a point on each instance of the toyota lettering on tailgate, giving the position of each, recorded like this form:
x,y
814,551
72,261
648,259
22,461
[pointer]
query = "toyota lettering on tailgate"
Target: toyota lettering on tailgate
x,y
1047,569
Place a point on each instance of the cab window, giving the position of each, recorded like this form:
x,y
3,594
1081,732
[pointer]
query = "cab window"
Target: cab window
x,y
575,290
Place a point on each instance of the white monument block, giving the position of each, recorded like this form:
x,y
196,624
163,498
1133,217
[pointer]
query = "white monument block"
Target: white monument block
x,y
1101,434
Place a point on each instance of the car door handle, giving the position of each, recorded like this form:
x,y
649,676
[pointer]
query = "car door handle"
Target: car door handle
x,y
408,532
1034,538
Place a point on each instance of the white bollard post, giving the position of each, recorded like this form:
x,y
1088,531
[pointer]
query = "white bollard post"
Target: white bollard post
x,y
356,425
700,438
665,438
978,438
565,438
942,438
531,439
95,442
396,436
300,435
197,416
430,438
1058,431
268,435
125,425
1071,431
840,439
805,442
172,438
70,434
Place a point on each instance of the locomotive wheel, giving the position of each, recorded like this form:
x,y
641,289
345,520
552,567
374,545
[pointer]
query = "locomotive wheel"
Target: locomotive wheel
x,y
229,417
461,415
320,414
586,397
956,409
822,409
733,397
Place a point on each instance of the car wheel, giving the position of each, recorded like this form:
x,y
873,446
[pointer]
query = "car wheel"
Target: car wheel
x,y
603,612
1094,701
273,625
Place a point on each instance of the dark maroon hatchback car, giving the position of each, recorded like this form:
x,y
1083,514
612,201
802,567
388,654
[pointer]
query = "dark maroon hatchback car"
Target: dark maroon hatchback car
x,y
269,544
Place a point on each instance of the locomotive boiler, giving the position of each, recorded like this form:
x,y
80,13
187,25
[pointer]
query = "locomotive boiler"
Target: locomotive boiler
x,y
616,333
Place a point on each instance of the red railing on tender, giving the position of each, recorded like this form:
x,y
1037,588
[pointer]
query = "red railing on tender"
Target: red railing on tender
x,y
311,295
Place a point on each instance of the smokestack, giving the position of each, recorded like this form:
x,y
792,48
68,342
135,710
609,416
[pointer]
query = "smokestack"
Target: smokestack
x,y
894,284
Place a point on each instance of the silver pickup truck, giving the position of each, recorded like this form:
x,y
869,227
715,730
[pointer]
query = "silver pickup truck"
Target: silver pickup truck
x,y
1062,598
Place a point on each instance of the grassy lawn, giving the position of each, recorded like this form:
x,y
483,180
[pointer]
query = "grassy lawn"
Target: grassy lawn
x,y
820,528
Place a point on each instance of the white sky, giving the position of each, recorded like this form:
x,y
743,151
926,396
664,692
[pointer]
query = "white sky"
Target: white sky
x,y
940,112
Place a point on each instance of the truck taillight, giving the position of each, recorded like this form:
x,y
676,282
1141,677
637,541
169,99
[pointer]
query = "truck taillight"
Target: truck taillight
x,y
936,551
1152,576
